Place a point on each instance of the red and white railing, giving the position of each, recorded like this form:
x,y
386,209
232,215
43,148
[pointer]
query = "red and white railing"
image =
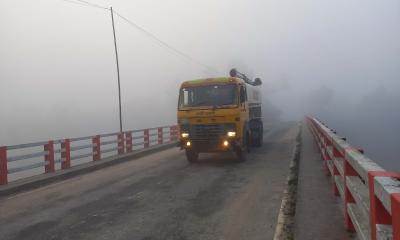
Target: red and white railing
x,y
53,155
371,195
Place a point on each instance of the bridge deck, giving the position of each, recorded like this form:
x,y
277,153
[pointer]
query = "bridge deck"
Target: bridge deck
x,y
318,214
161,196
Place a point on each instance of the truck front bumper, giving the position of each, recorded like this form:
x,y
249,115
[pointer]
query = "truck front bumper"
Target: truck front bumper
x,y
221,145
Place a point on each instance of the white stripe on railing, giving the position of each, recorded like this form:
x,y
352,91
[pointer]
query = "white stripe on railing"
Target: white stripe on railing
x,y
372,208
123,143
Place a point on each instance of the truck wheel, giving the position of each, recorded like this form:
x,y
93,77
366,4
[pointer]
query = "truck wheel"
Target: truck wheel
x,y
192,156
259,140
241,152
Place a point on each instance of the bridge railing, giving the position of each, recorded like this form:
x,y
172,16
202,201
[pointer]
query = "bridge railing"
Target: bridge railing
x,y
47,157
370,195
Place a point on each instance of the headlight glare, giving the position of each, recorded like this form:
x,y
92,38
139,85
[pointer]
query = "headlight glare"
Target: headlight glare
x,y
185,135
231,134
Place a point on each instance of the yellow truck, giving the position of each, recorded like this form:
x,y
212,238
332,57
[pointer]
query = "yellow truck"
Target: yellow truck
x,y
219,115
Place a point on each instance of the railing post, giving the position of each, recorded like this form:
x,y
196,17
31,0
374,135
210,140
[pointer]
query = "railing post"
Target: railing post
x,y
176,132
171,133
378,213
65,154
336,154
128,139
96,148
327,157
49,157
146,138
121,143
335,174
3,166
160,135
323,151
395,203
348,197
319,138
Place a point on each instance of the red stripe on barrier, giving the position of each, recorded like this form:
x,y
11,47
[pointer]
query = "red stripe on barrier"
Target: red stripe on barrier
x,y
160,135
3,166
378,213
172,133
96,148
66,154
336,154
128,138
395,203
146,138
49,157
121,143
348,197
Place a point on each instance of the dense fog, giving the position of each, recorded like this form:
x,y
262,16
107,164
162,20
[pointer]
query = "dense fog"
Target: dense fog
x,y
337,60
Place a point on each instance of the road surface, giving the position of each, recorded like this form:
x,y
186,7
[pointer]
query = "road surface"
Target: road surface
x,y
161,196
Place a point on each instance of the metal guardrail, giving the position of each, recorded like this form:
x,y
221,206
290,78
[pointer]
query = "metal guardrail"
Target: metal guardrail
x,y
371,195
120,143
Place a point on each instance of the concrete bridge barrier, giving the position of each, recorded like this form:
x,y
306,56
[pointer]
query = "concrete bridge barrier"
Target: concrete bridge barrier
x,y
26,160
370,194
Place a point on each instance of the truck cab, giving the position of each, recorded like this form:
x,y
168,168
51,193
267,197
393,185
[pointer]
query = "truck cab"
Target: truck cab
x,y
219,115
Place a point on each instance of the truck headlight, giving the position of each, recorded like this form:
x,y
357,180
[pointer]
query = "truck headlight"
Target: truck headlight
x,y
185,135
231,134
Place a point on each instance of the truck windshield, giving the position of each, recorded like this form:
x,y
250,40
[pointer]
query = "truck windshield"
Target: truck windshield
x,y
211,95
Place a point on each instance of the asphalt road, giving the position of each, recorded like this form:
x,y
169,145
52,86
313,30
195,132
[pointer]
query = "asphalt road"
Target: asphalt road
x,y
161,196
319,214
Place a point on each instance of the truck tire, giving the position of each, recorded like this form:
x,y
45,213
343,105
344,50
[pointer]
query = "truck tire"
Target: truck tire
x,y
256,133
192,156
241,152
258,141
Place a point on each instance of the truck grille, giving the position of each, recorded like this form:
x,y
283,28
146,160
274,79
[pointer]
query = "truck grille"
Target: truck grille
x,y
209,131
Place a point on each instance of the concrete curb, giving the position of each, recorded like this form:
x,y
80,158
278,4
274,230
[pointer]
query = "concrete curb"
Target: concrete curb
x,y
285,225
46,179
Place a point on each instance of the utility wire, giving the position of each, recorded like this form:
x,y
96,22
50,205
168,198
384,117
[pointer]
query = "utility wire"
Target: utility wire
x,y
92,4
164,44
147,33
86,3
79,3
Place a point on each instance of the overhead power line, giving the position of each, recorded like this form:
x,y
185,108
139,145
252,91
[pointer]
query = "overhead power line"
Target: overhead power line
x,y
147,33
87,4
164,44
79,3
92,4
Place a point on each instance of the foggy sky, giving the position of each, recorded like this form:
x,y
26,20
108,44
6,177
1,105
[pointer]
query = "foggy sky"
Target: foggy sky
x,y
327,58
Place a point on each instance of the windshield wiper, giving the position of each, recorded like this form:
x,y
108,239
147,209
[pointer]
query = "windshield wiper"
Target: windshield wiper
x,y
199,103
221,105
217,106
